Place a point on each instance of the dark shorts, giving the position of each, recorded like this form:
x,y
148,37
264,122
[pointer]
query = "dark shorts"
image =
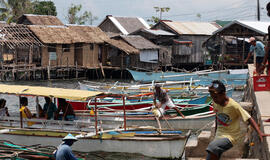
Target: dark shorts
x,y
259,59
218,146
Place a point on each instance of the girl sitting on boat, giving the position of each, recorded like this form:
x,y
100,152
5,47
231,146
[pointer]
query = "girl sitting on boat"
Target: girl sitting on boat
x,y
26,113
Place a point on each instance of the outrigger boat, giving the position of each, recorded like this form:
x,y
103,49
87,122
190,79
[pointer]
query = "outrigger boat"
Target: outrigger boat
x,y
169,144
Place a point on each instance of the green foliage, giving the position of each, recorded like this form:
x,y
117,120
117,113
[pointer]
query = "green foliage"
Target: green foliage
x,y
44,8
74,18
11,10
159,10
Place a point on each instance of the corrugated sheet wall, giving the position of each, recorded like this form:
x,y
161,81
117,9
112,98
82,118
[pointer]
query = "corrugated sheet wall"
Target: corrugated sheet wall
x,y
196,55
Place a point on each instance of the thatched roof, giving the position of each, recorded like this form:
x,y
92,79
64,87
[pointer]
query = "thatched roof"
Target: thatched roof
x,y
139,42
77,34
87,34
31,19
52,34
123,46
17,35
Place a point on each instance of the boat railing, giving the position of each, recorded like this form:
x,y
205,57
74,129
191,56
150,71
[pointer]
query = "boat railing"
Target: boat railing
x,y
79,125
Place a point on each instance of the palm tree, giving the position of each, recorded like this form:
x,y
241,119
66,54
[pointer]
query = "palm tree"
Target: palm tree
x,y
11,10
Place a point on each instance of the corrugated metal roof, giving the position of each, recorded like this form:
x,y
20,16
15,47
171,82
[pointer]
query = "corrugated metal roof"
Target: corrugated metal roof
x,y
192,28
159,32
257,26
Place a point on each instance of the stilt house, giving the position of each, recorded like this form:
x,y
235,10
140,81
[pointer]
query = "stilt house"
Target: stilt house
x,y
229,43
187,48
163,39
148,57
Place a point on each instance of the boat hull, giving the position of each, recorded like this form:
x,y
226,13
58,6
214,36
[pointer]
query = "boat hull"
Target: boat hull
x,y
152,146
189,122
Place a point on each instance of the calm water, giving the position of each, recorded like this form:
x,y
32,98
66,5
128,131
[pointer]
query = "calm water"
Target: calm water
x,y
13,101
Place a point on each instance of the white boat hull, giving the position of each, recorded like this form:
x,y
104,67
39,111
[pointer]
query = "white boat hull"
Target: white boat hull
x,y
151,146
189,122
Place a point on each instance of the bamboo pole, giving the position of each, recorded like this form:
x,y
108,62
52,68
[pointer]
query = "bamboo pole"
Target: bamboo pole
x,y
21,118
125,118
96,121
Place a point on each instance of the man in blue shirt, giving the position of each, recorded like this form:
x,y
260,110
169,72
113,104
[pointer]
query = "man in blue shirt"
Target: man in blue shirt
x,y
49,108
258,47
64,151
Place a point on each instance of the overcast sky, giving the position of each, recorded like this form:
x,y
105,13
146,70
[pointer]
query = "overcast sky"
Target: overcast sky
x,y
180,10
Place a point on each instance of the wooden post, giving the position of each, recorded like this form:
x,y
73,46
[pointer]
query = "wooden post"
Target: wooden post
x,y
102,71
243,53
30,58
13,73
48,70
21,118
37,107
125,118
16,57
122,63
76,70
96,121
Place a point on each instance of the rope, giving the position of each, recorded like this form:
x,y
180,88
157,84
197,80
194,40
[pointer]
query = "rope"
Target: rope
x,y
205,126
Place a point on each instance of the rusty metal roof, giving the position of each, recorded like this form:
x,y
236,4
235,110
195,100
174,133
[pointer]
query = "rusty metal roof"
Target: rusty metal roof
x,y
192,28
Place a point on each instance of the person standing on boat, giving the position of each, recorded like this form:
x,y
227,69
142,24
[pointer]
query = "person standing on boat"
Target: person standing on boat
x,y
258,47
67,110
3,108
164,100
64,151
49,108
228,115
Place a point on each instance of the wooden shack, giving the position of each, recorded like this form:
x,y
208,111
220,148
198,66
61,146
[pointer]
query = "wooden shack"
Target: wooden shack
x,y
230,42
19,46
58,43
163,39
77,45
148,57
32,19
122,25
120,54
187,49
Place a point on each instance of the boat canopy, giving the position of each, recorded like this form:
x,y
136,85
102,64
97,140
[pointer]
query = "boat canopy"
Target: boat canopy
x,y
71,94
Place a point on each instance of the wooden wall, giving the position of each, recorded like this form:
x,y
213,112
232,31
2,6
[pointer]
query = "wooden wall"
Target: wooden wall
x,y
63,58
90,56
108,26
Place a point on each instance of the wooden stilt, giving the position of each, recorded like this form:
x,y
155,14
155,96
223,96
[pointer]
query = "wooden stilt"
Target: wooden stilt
x,y
48,70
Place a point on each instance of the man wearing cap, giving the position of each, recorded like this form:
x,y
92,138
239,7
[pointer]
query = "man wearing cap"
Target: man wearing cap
x,y
64,151
258,47
228,115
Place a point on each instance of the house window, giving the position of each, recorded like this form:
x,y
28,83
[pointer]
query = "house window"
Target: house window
x,y
66,47
52,48
91,46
